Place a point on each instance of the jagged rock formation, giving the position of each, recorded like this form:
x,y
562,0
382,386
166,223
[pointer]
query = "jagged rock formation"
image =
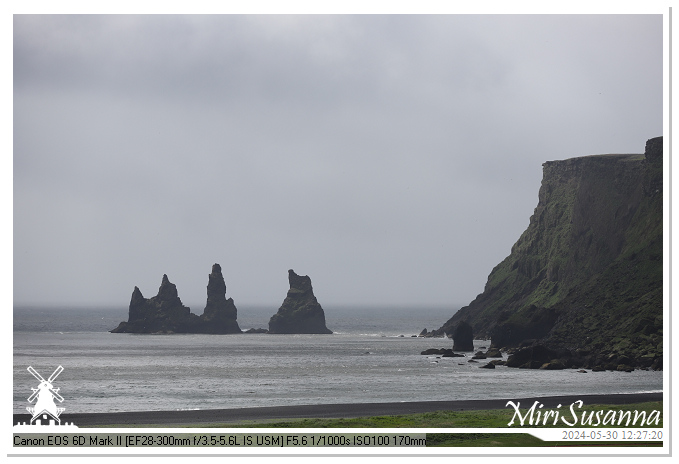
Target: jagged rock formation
x,y
300,312
493,353
165,313
219,315
585,278
444,352
256,331
532,357
463,337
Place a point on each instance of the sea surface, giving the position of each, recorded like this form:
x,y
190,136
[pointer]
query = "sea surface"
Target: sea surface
x,y
371,357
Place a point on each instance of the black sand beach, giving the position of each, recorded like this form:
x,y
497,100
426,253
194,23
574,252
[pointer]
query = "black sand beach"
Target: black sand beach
x,y
232,416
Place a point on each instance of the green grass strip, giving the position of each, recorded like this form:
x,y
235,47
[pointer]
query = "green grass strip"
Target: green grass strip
x,y
491,418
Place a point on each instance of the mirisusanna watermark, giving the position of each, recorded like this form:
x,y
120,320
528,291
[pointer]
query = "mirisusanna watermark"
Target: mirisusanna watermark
x,y
538,416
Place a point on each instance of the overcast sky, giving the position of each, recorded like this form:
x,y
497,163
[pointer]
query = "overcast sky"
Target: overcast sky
x,y
393,159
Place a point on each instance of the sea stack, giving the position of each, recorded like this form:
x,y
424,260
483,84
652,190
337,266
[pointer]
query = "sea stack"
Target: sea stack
x,y
463,337
159,314
165,313
220,314
300,313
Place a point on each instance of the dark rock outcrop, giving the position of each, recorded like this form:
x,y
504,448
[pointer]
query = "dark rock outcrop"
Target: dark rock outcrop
x,y
463,337
256,331
429,351
165,313
587,274
444,352
493,353
532,357
300,312
220,314
553,365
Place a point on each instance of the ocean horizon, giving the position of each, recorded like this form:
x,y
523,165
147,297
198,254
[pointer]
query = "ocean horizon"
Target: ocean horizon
x,y
368,319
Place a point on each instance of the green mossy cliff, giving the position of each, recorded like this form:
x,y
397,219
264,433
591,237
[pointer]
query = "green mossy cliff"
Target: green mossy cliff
x,y
586,275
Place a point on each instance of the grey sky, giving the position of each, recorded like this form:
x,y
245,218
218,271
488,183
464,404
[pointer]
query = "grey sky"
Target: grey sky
x,y
393,159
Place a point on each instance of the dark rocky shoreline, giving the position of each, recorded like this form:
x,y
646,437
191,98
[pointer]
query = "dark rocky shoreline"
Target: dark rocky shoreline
x,y
536,356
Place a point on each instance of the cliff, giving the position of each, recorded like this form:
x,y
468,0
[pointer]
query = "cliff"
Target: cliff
x,y
165,313
585,277
300,312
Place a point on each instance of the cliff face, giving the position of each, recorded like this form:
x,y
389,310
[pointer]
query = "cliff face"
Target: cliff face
x,y
300,312
165,313
587,272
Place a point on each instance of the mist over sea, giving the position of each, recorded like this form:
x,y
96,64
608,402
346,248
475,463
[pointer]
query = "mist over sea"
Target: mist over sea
x,y
371,357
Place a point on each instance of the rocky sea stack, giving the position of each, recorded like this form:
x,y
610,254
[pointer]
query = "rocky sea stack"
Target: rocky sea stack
x,y
584,282
463,337
300,312
165,313
219,315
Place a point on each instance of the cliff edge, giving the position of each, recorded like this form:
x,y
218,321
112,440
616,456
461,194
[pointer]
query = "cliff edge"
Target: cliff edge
x,y
586,276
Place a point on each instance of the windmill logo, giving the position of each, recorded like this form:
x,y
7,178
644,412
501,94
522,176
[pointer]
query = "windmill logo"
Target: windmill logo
x,y
45,408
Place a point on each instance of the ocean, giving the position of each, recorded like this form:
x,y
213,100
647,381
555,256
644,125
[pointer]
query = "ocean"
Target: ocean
x,y
371,357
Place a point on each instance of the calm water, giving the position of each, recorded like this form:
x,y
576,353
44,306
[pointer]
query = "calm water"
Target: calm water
x,y
366,360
